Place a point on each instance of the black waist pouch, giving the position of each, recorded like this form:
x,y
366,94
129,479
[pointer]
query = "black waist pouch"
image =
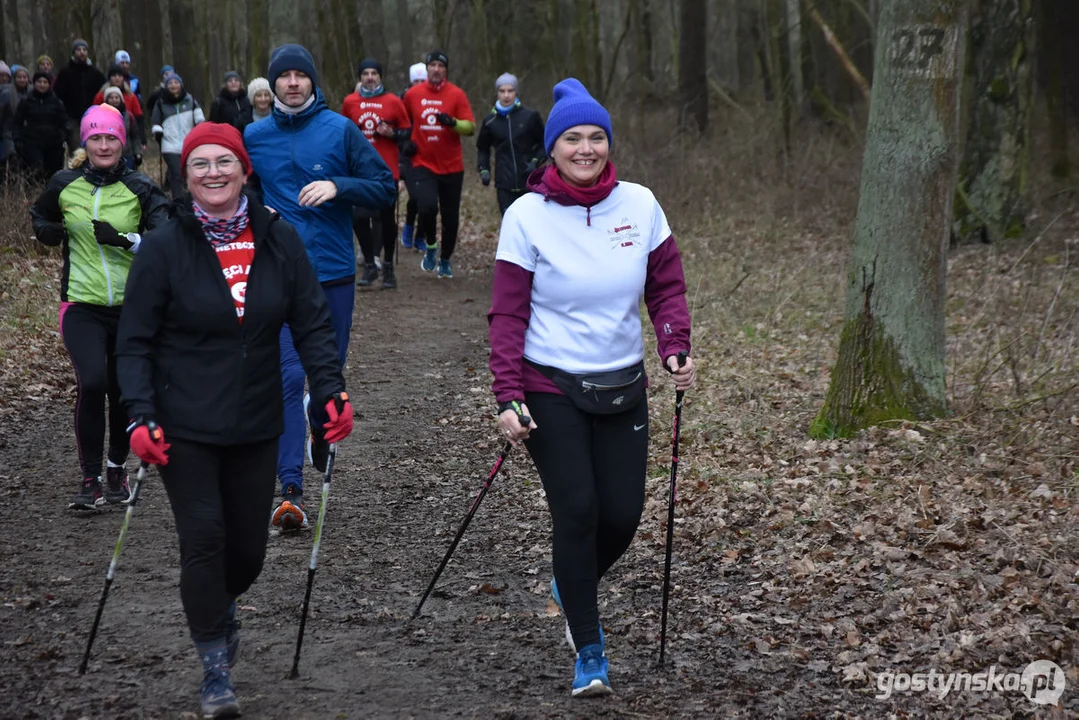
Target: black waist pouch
x,y
602,393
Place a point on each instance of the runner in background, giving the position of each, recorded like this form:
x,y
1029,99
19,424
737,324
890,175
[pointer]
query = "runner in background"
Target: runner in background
x,y
515,133
440,115
382,119
410,235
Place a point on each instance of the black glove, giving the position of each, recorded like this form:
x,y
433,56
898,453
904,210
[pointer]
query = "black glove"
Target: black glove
x,y
409,148
52,234
158,136
446,120
485,177
106,234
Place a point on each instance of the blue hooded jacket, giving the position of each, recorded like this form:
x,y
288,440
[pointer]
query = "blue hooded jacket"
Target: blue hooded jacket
x,y
290,151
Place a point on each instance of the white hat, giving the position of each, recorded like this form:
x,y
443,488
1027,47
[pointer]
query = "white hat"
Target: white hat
x,y
417,72
121,56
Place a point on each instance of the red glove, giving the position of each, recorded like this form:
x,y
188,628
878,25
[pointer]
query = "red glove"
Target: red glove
x,y
148,442
339,410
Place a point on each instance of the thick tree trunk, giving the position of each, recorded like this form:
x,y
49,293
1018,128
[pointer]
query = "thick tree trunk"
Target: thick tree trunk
x,y
1051,28
693,63
991,196
891,350
107,28
404,34
794,51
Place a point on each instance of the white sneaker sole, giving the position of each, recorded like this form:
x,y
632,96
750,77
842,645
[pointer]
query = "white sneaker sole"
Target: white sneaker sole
x,y
594,689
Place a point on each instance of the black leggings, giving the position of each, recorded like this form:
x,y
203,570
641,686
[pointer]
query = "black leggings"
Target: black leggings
x,y
89,334
173,175
592,468
506,198
369,224
221,497
434,194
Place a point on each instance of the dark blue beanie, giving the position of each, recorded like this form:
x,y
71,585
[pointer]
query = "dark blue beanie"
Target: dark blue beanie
x,y
291,57
574,106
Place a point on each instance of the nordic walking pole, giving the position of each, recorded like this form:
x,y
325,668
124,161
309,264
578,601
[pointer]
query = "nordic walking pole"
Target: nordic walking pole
x,y
525,421
314,558
678,395
112,565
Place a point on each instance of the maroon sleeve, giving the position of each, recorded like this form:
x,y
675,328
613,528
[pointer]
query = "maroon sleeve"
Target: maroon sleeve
x,y
665,297
511,301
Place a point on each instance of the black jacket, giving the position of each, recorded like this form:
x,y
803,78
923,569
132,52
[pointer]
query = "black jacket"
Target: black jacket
x,y
183,357
76,85
231,109
41,121
517,139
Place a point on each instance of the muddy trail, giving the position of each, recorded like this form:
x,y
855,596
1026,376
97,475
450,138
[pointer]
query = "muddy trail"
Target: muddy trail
x,y
489,642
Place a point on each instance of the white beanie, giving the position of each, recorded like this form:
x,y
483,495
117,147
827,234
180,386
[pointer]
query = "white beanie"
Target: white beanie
x,y
417,72
253,87
122,56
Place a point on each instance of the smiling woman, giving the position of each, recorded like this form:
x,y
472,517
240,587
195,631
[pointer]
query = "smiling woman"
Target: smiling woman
x,y
199,362
567,351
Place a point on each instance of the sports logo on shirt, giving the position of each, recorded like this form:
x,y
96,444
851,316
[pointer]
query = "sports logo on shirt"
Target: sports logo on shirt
x,y
625,234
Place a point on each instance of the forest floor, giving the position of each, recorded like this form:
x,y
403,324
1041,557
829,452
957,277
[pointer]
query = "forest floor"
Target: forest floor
x,y
808,575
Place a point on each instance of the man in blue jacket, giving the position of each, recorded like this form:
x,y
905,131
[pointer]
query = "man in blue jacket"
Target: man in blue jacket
x,y
313,166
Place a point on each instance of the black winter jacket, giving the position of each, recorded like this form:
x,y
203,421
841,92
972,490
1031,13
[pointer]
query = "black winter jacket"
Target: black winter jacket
x,y
185,359
231,109
517,138
41,121
76,85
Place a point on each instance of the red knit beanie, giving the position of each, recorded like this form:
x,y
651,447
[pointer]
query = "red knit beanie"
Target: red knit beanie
x,y
209,133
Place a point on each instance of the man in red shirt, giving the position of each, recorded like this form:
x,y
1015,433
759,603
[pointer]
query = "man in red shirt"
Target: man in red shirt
x,y
382,119
440,115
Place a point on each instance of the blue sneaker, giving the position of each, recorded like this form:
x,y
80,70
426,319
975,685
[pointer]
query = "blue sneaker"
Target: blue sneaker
x,y
232,637
406,235
445,270
419,244
218,694
590,677
569,634
430,258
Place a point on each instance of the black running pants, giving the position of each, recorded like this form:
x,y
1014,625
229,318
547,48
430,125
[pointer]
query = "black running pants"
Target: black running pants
x,y
89,333
593,470
435,194
221,497
371,224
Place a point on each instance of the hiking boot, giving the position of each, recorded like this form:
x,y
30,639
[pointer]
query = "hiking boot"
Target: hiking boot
x,y
117,486
232,636
218,694
406,235
590,676
370,274
389,278
318,450
88,496
290,514
430,259
444,269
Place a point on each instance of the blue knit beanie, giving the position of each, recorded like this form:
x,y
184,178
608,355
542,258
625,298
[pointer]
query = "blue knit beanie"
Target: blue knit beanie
x,y
574,106
291,57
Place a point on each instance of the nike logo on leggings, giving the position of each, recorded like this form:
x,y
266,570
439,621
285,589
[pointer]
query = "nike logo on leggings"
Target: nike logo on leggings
x,y
639,427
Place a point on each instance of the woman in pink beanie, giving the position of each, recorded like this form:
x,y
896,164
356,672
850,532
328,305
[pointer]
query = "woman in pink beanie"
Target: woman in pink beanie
x,y
99,231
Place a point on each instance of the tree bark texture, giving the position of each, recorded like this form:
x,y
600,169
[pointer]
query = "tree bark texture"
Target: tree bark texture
x,y
891,349
991,196
1052,42
693,63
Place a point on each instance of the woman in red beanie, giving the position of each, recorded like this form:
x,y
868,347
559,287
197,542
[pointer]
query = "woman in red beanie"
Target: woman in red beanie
x,y
199,365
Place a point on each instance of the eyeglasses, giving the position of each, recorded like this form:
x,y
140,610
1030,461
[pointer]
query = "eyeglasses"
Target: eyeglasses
x,y
225,166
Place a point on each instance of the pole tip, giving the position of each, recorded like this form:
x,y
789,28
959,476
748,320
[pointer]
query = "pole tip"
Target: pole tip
x,y
295,673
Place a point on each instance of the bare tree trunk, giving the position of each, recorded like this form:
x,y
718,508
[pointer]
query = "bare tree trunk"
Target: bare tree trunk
x,y
794,49
642,39
1053,58
891,350
404,34
723,45
693,63
107,29
373,31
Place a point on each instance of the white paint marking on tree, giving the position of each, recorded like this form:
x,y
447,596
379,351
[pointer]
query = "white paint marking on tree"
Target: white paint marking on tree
x,y
924,50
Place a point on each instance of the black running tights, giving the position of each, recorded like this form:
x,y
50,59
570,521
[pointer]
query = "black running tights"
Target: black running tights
x,y
592,468
438,194
369,224
221,497
89,333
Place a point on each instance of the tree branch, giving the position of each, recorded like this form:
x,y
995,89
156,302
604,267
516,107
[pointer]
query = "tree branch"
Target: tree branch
x,y
837,48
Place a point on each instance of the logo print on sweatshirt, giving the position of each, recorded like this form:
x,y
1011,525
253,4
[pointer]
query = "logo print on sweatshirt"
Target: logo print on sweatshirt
x,y
317,167
624,234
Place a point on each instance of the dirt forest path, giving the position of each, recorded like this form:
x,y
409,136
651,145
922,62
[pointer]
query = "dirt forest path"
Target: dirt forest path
x,y
489,642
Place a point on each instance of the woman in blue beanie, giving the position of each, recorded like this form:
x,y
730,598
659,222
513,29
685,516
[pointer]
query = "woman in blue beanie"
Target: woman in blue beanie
x,y
567,351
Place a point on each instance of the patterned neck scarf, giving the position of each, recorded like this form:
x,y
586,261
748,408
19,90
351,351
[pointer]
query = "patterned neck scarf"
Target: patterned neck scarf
x,y
221,231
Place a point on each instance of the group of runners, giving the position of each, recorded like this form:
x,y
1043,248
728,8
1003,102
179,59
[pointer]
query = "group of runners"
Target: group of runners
x,y
175,313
